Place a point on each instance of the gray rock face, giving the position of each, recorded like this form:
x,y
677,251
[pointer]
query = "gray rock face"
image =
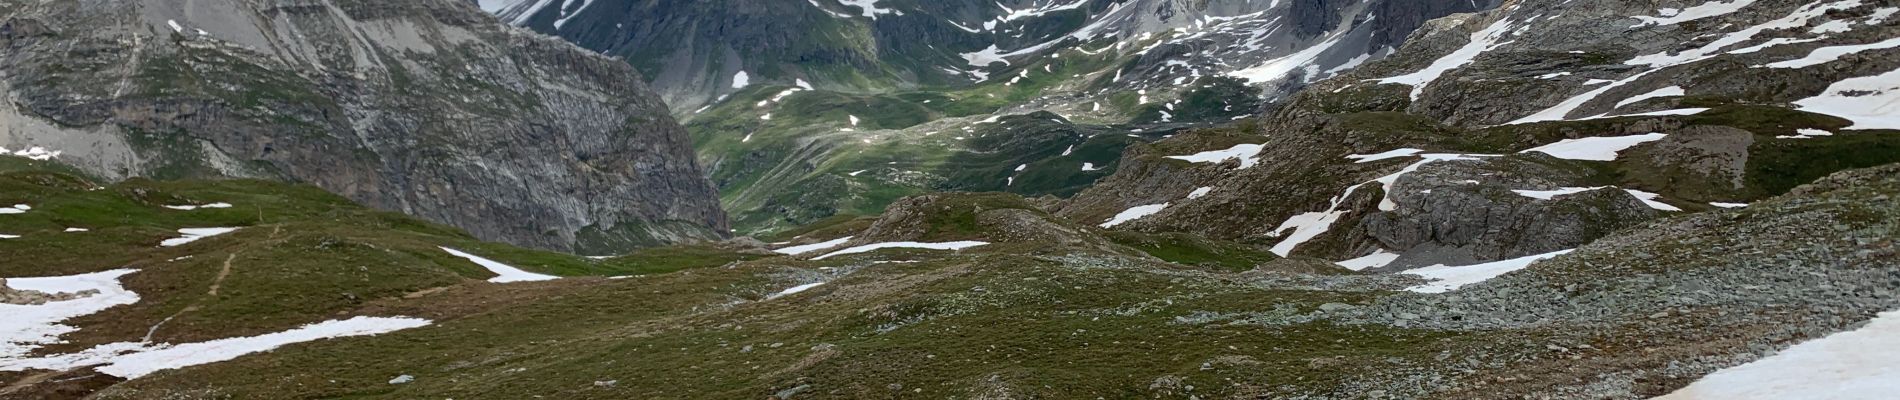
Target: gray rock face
x,y
1444,218
431,108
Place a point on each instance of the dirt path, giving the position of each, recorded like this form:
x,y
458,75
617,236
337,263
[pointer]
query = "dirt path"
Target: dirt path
x,y
212,292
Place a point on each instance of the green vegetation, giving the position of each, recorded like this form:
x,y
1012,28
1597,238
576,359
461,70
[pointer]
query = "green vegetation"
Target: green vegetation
x,y
301,255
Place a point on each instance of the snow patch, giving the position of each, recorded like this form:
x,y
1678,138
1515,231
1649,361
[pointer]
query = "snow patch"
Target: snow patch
x,y
802,249
1828,54
1671,16
1603,148
1366,158
1375,260
194,207
504,273
193,234
1805,133
1672,91
133,360
741,80
1871,102
794,290
959,245
27,327
1134,213
1481,41
1859,364
1246,153
1447,278
33,153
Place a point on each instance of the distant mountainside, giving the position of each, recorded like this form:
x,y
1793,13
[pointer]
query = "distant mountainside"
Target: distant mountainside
x,y
427,107
807,110
697,51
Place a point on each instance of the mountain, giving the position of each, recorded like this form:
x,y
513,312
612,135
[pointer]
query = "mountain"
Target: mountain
x,y
431,108
1543,199
808,110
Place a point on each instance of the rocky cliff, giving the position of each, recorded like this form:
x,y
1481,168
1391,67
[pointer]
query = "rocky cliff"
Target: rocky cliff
x,y
432,108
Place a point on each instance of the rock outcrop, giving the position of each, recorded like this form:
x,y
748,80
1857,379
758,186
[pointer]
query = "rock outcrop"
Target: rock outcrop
x,y
432,108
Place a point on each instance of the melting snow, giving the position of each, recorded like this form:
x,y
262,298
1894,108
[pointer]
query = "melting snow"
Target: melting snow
x,y
1481,41
27,327
1377,259
794,290
15,209
1366,158
1872,102
193,234
1134,213
869,6
1827,54
741,80
1604,148
1089,167
1671,16
1648,198
1244,152
960,245
504,273
33,153
1729,205
1445,278
1671,91
1280,67
1197,193
133,360
194,207
1806,134
1859,364
1659,61
802,249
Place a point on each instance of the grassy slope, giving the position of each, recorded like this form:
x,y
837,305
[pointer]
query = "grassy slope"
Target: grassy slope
x,y
303,255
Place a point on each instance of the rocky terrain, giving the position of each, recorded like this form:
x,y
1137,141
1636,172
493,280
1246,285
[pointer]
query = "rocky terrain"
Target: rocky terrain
x,y
431,108
1489,137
